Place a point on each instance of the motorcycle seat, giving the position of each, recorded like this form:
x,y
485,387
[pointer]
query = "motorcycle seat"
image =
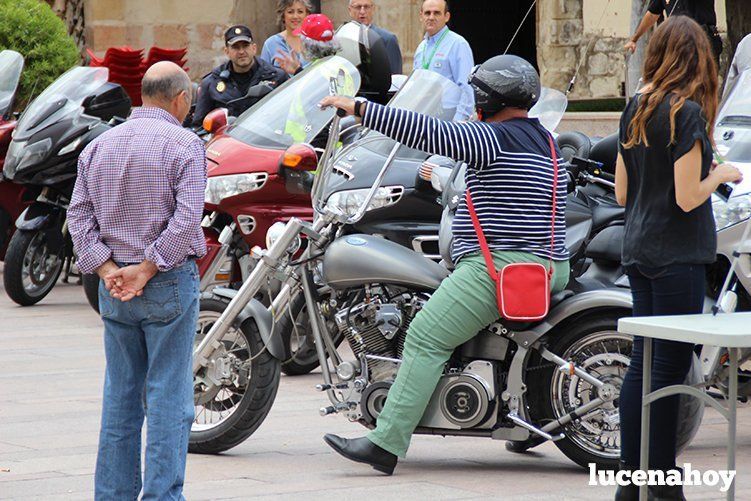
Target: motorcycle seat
x,y
555,300
574,144
604,215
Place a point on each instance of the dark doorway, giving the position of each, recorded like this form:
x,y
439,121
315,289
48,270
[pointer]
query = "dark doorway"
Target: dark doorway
x,y
489,25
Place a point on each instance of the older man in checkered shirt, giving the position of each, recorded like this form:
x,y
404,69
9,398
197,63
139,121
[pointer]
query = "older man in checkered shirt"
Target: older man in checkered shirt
x,y
135,220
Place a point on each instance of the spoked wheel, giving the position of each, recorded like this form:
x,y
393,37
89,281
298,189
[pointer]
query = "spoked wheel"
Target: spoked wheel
x,y
234,394
299,337
32,267
596,346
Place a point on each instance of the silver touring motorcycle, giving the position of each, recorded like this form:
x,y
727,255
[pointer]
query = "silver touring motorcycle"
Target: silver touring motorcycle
x,y
558,379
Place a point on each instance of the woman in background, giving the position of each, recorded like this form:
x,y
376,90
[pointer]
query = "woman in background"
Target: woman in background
x,y
665,178
287,44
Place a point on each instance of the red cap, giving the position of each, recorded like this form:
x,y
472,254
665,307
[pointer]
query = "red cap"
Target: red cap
x,y
316,26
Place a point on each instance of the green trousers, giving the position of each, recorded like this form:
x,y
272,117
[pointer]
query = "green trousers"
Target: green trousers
x,y
463,305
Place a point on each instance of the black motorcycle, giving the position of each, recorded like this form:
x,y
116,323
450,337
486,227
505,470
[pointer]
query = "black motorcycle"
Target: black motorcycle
x,y
43,156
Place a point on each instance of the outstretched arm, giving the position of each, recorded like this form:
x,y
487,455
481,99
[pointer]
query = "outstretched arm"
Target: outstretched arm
x,y
475,143
647,22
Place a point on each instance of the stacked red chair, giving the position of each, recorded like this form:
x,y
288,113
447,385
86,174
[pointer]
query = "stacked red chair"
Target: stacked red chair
x,y
157,54
126,68
127,65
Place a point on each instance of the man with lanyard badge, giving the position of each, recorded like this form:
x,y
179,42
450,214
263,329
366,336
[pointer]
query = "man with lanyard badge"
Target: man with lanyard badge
x,y
445,52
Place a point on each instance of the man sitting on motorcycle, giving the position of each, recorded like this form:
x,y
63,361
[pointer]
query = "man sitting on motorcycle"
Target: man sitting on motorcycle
x,y
510,178
230,81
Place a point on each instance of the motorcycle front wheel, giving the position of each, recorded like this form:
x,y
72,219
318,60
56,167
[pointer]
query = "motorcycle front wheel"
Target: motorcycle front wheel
x,y
298,336
226,415
594,344
32,267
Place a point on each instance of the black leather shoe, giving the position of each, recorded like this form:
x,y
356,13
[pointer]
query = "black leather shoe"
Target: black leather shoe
x,y
628,492
363,450
666,493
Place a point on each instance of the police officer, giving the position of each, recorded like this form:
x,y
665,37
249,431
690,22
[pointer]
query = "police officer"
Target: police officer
x,y
231,80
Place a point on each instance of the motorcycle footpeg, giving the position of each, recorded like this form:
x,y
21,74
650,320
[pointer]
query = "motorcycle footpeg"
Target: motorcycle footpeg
x,y
343,406
519,421
327,387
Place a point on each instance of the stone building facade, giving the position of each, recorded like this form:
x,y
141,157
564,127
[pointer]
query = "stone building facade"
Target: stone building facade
x,y
559,34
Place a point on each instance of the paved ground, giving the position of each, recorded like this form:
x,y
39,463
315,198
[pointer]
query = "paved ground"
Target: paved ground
x,y
51,363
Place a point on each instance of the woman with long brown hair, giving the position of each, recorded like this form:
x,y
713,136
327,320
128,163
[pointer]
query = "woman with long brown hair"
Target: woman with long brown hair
x,y
665,177
286,47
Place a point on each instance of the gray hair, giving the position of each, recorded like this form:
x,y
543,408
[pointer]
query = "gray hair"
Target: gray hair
x,y
315,49
283,5
166,87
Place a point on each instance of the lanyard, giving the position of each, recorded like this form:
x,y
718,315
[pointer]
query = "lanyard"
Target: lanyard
x,y
426,64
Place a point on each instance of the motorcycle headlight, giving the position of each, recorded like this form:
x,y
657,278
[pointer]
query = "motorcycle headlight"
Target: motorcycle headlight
x,y
349,201
221,187
275,231
21,154
735,211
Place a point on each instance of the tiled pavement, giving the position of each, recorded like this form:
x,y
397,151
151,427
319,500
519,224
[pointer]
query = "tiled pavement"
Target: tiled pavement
x,y
51,363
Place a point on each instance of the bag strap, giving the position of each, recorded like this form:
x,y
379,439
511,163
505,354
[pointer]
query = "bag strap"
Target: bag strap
x,y
481,237
554,157
492,271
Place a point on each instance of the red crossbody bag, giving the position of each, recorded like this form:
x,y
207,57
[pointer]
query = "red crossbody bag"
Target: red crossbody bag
x,y
522,289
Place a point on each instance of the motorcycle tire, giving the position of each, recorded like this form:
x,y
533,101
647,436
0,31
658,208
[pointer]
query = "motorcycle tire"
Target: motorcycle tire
x,y
257,398
540,392
301,361
13,272
5,226
91,289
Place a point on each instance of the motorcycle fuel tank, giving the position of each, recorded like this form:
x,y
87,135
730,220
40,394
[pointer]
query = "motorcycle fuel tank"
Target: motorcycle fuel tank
x,y
356,260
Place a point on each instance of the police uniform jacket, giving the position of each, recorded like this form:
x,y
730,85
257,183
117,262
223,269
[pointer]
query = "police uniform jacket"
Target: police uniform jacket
x,y
219,88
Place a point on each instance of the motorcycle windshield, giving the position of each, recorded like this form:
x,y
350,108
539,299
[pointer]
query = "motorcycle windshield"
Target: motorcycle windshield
x,y
290,114
62,98
426,92
733,126
550,108
11,65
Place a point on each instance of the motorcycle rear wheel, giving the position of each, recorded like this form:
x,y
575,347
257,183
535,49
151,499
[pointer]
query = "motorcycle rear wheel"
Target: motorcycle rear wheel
x,y
31,268
235,410
594,344
91,289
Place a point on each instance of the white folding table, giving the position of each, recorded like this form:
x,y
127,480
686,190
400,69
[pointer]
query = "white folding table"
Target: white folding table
x,y
726,330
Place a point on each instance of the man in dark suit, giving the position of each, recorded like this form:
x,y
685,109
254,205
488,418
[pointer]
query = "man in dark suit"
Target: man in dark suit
x,y
362,12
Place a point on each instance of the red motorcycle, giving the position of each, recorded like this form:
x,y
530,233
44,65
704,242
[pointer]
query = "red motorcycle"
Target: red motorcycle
x,y
13,197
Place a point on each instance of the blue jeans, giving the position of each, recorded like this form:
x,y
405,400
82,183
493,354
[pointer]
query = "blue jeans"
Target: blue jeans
x,y
148,343
670,290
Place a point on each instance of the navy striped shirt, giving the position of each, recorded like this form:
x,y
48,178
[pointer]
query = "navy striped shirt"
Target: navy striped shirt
x,y
510,176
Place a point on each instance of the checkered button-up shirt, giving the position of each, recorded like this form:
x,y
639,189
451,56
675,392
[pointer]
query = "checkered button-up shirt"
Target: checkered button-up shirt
x,y
139,194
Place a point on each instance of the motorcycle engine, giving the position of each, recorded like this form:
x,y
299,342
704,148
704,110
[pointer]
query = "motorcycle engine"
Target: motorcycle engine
x,y
376,328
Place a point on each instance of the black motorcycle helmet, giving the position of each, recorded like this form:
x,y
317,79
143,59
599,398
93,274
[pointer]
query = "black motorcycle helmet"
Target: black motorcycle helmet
x,y
504,81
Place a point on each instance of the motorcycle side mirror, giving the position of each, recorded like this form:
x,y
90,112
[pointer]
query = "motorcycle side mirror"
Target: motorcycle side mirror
x,y
300,156
215,120
86,103
260,90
